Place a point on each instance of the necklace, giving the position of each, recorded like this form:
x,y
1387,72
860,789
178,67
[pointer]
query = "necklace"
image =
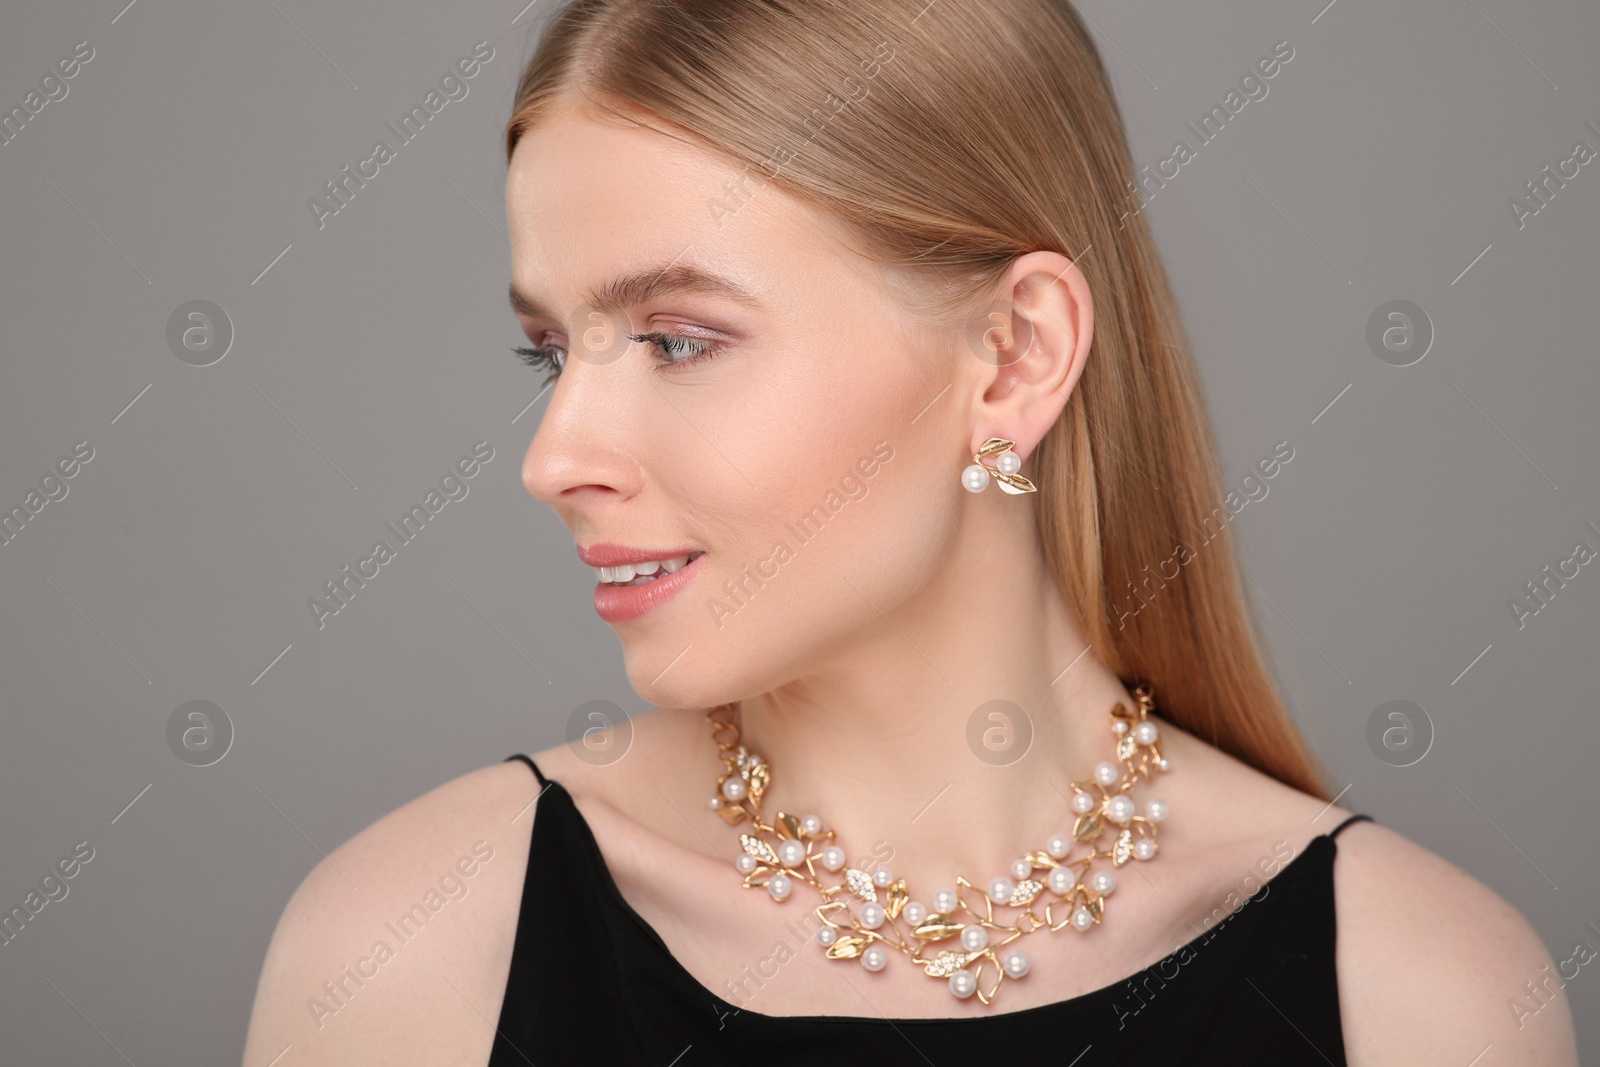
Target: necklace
x,y
859,925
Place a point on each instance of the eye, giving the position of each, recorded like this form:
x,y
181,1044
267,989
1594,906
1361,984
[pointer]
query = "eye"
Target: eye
x,y
544,356
685,350
679,350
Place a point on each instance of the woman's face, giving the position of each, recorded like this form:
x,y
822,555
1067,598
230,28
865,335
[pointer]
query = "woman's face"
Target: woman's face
x,y
794,435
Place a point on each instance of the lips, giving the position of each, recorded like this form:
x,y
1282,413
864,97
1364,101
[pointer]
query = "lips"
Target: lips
x,y
606,554
634,581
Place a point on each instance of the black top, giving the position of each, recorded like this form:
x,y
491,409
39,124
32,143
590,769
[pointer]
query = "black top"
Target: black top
x,y
592,983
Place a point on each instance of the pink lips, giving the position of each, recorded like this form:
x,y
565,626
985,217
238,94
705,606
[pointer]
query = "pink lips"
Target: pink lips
x,y
605,554
621,603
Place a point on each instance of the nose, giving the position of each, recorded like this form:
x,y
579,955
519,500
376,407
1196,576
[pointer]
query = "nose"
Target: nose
x,y
580,453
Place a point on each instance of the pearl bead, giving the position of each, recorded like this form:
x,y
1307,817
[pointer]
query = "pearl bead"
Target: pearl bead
x,y
1082,920
1107,773
963,983
872,916
944,901
882,877
1008,462
975,478
1000,889
1060,880
810,825
1103,882
791,853
1144,848
1021,869
1119,727
915,912
715,802
1082,803
1165,764
1015,962
745,862
874,958
1058,846
1156,810
1119,809
827,936
974,938
778,886
734,789
1146,733
833,857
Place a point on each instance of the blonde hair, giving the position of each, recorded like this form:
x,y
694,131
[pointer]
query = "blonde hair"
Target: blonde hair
x,y
949,138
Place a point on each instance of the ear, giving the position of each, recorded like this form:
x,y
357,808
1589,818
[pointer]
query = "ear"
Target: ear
x,y
1030,349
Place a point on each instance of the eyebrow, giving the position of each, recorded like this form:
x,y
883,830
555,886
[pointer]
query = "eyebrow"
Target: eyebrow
x,y
636,288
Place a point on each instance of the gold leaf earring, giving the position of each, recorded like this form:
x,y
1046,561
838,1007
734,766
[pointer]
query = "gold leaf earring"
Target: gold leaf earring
x,y
1007,463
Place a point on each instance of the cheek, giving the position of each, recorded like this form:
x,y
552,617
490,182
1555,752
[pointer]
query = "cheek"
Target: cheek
x,y
845,513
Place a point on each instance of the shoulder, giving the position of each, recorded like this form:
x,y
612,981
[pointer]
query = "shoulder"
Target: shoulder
x,y
1433,964
395,948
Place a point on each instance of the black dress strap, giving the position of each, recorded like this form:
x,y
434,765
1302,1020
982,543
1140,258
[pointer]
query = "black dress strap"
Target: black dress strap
x,y
532,765
1347,822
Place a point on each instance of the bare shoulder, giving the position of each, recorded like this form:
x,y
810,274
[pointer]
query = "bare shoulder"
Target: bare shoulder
x,y
609,767
1436,967
1433,966
395,948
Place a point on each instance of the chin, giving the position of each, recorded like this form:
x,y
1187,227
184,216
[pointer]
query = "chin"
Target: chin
x,y
692,665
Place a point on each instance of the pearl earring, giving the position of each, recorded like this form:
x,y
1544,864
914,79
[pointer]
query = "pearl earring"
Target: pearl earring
x,y
975,479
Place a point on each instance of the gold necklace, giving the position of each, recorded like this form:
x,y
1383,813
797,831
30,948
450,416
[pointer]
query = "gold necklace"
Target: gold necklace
x,y
858,925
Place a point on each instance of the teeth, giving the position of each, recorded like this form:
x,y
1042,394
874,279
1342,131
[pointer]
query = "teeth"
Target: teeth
x,y
629,573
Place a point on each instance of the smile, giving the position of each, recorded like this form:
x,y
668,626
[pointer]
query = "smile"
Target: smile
x,y
643,573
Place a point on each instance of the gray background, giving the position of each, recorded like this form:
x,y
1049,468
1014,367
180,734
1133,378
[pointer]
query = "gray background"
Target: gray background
x,y
373,353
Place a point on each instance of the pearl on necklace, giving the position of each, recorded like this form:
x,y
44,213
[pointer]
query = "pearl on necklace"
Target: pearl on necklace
x,y
963,983
867,912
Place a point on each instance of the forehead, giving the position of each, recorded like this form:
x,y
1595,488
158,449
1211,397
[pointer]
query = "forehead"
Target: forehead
x,y
589,198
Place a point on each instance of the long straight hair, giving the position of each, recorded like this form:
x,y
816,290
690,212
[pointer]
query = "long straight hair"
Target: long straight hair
x,y
949,138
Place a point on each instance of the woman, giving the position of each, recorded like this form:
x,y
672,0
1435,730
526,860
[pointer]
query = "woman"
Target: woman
x,y
871,409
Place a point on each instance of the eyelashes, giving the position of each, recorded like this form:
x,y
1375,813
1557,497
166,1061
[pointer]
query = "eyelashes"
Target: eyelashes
x,y
687,350
542,356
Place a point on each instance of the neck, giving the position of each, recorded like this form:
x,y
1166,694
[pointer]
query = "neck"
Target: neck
x,y
943,739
